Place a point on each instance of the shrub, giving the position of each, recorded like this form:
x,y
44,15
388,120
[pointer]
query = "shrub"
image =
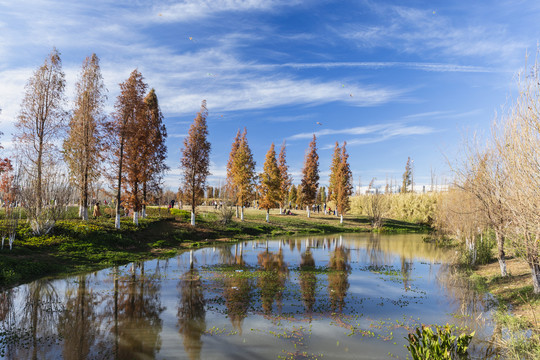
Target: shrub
x,y
424,343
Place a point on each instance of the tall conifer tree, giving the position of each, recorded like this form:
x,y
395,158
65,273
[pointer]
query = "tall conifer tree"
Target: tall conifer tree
x,y
270,187
286,180
154,151
344,184
310,179
243,172
334,169
195,161
83,148
124,133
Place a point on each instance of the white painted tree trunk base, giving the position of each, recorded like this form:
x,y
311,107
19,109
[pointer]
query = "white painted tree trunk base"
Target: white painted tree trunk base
x,y
502,265
308,212
280,211
143,213
192,218
341,219
117,221
267,217
136,218
237,212
242,213
84,213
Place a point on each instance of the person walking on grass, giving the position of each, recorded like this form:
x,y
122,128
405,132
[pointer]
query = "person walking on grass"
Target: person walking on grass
x,y
96,213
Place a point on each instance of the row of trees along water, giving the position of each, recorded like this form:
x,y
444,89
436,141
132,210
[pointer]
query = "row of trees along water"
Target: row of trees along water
x,y
127,148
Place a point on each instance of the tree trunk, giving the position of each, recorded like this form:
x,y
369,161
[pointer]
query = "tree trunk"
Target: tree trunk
x,y
136,217
119,191
307,210
84,214
535,272
237,211
280,210
144,201
192,218
341,219
242,213
500,253
268,215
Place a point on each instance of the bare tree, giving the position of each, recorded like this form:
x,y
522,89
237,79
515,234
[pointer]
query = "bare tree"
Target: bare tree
x,y
518,144
40,123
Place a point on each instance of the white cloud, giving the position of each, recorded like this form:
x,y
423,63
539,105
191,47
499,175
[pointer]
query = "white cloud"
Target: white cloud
x,y
378,133
419,30
191,10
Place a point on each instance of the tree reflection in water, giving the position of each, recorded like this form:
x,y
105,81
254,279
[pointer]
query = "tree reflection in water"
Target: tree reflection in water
x,y
191,312
39,321
238,291
272,279
338,282
79,324
137,309
308,281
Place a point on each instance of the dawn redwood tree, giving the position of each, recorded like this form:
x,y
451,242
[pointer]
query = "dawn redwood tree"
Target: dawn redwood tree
x,y
129,109
293,194
40,122
83,148
230,186
344,184
407,177
286,180
243,173
310,176
334,170
270,183
195,162
153,151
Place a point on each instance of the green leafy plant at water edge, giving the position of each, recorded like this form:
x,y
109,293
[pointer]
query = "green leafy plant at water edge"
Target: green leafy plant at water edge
x,y
426,343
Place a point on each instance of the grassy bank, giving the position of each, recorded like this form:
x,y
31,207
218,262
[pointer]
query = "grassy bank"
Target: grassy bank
x,y
76,246
519,307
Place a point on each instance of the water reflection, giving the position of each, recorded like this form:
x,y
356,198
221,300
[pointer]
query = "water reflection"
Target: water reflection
x,y
191,312
271,281
308,281
232,300
238,291
79,323
137,308
338,282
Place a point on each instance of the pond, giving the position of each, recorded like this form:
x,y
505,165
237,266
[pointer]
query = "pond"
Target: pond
x,y
326,297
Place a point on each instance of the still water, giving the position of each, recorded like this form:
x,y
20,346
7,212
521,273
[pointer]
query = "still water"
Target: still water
x,y
328,297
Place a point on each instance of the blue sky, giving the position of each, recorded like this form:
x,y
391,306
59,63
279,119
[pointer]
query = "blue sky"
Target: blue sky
x,y
394,79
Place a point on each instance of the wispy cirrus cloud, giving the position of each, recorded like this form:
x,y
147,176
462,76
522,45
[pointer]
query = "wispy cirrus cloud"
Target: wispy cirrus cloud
x,y
190,10
415,30
362,135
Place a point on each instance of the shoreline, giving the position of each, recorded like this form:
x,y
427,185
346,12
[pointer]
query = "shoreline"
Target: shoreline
x,y
75,246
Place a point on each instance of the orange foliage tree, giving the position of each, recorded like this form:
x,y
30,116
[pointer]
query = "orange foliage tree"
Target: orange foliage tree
x,y
84,146
125,134
310,176
195,160
242,172
286,180
270,186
